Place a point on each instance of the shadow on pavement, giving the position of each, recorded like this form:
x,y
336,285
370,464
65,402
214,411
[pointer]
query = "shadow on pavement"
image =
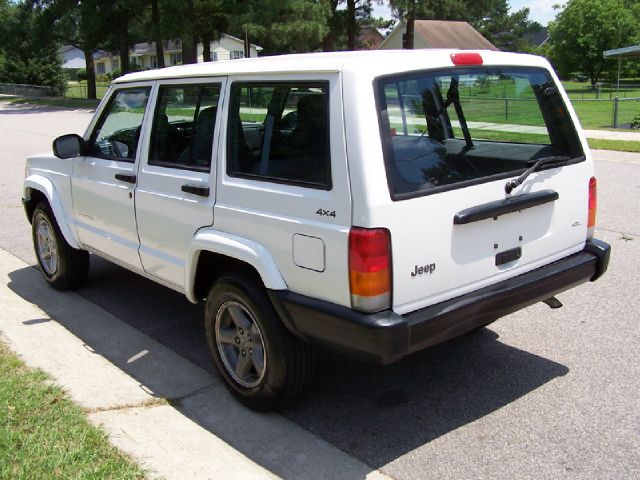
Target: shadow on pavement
x,y
376,414
31,108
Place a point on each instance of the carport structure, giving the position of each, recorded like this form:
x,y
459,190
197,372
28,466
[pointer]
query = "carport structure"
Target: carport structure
x,y
620,53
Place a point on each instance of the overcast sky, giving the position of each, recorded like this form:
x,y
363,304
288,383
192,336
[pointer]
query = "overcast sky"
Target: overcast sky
x,y
539,10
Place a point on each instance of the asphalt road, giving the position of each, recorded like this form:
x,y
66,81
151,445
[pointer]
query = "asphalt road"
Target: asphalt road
x,y
539,394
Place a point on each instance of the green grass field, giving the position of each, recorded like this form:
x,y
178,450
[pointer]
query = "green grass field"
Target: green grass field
x,y
57,102
583,90
44,435
79,89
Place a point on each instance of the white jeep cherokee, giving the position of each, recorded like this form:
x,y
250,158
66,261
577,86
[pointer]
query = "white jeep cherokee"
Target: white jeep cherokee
x,y
375,203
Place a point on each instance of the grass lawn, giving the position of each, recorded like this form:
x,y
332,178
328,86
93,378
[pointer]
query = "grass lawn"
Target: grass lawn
x,y
44,435
57,102
78,89
594,143
583,90
618,145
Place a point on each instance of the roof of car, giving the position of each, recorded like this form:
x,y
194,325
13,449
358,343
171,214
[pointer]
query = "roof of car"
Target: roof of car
x,y
378,62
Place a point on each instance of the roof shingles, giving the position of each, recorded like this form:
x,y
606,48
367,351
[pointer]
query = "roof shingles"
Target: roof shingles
x,y
450,34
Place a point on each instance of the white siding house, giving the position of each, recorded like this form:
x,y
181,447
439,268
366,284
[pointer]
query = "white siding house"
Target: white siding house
x,y
144,54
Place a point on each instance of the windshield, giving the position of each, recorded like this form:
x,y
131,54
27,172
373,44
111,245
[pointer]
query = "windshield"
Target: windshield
x,y
451,128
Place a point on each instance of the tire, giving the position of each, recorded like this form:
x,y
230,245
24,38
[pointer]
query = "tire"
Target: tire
x,y
240,317
62,266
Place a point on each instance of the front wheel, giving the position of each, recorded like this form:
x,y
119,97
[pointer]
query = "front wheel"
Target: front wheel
x,y
262,364
62,266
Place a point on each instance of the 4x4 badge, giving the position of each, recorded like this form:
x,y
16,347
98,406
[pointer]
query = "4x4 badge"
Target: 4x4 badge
x,y
326,213
419,270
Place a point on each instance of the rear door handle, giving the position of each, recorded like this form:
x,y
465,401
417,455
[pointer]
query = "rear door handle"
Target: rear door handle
x,y
196,190
125,177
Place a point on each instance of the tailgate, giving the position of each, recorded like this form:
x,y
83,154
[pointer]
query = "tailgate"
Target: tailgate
x,y
435,258
452,138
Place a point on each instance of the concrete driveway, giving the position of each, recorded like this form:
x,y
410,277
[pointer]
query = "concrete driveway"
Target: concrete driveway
x,y
539,394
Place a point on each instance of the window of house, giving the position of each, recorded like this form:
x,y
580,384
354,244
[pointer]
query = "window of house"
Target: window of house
x,y
236,54
182,134
214,56
117,133
100,68
175,58
115,64
153,61
280,132
133,61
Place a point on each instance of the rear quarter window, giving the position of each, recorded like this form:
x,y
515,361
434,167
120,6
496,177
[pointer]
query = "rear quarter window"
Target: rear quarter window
x,y
279,132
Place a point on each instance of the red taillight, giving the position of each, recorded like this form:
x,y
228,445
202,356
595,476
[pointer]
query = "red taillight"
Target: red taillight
x,y
466,58
593,206
370,268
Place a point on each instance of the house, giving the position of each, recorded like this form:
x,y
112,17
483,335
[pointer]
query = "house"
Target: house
x,y
144,55
369,38
439,34
73,60
536,39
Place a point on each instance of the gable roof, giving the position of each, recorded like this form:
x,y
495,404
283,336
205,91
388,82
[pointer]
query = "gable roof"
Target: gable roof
x,y
445,34
626,52
538,38
449,34
369,38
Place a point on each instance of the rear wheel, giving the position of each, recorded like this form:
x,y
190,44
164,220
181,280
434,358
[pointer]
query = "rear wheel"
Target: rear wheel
x,y
63,267
262,364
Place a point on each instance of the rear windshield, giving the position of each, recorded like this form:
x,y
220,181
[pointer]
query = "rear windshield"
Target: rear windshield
x,y
456,127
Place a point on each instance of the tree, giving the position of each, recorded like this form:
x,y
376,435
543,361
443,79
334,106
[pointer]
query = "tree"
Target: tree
x,y
124,13
281,26
24,58
586,28
84,24
335,26
210,22
410,11
505,30
156,32
352,25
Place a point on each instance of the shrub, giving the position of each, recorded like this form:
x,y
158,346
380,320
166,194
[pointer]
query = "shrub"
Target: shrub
x,y
635,123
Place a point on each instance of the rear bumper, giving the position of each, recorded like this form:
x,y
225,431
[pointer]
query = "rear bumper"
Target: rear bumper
x,y
386,337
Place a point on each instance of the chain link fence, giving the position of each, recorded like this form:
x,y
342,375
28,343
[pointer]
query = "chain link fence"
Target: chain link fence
x,y
80,90
20,90
593,113
614,113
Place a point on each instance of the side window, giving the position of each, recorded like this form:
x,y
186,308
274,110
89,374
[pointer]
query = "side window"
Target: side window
x,y
182,134
280,132
117,133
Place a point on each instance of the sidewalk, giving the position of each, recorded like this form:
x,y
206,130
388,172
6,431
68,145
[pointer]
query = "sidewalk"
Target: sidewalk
x,y
172,417
620,134
626,135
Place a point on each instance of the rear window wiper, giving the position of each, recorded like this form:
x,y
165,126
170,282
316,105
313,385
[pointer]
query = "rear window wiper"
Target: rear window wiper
x,y
539,162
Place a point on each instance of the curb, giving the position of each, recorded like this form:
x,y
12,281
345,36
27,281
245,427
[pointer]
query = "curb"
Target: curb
x,y
171,416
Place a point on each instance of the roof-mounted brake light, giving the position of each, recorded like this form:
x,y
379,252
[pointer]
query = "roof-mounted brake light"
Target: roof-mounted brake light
x,y
466,58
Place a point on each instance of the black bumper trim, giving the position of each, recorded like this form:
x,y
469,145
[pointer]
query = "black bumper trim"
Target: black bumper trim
x,y
386,337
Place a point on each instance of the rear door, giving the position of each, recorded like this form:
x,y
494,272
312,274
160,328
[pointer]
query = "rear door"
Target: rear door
x,y
452,139
284,180
176,184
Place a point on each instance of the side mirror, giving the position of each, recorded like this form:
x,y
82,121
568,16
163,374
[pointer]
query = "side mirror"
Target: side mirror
x,y
69,146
